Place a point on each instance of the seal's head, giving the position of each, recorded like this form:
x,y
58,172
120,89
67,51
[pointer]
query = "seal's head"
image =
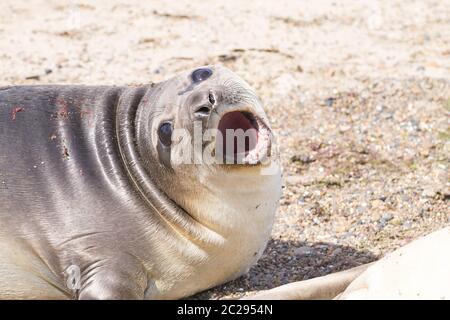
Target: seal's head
x,y
207,116
206,129
200,146
203,125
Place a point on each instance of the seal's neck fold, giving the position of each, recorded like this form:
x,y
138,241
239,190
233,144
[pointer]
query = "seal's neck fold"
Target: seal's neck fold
x,y
156,200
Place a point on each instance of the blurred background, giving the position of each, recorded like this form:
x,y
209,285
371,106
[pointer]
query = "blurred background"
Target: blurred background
x,y
358,93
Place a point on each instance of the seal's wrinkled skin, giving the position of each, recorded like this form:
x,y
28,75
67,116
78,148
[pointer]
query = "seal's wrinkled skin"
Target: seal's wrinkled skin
x,y
88,184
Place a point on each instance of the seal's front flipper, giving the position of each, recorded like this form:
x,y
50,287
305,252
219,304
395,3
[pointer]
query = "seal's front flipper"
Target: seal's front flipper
x,y
127,283
326,287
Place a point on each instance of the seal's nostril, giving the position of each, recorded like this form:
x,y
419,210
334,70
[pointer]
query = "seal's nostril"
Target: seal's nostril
x,y
203,111
211,98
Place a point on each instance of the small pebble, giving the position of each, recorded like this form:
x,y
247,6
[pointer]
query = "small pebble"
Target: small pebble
x,y
385,218
329,102
428,193
407,225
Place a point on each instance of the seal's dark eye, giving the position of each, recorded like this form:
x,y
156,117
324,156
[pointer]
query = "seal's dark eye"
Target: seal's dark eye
x,y
165,133
201,74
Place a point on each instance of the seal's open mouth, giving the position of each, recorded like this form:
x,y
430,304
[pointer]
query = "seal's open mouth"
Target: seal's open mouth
x,y
244,138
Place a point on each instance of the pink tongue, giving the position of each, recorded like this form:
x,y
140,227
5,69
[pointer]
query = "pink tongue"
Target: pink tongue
x,y
237,120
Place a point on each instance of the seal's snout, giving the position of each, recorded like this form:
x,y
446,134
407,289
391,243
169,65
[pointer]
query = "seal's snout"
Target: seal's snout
x,y
229,114
207,102
203,103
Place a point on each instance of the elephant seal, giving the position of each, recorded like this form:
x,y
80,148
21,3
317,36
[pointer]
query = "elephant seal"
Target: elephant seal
x,y
418,270
105,192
